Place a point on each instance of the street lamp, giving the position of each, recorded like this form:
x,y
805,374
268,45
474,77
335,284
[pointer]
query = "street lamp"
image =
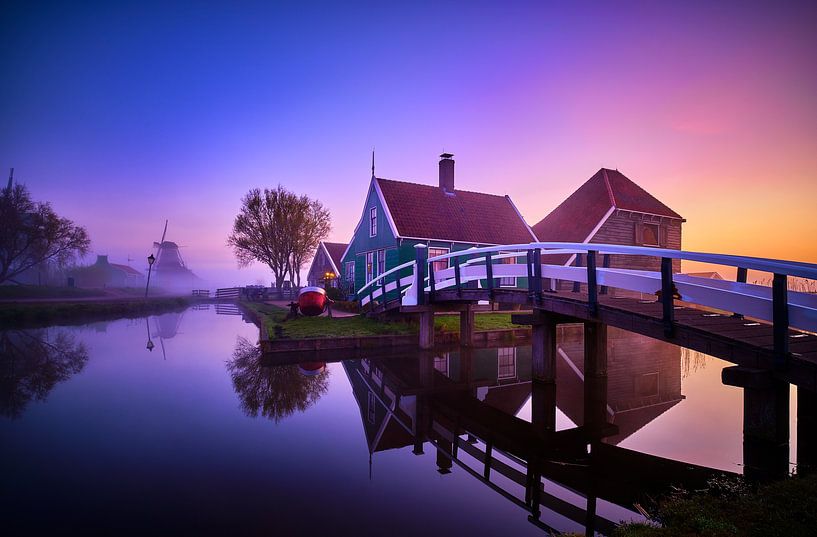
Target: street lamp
x,y
150,344
151,260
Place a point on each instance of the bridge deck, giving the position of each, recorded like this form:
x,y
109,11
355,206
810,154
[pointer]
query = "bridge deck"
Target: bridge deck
x,y
741,341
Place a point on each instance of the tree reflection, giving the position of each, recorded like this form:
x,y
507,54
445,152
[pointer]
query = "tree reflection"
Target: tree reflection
x,y
32,362
274,392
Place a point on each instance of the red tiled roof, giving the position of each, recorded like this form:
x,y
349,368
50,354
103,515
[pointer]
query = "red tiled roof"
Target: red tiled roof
x,y
336,250
428,212
577,216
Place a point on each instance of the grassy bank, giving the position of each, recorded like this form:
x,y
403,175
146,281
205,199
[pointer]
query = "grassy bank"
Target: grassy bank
x,y
358,325
18,292
731,508
36,314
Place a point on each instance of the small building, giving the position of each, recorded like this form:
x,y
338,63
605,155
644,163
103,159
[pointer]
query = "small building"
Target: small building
x,y
106,274
611,209
397,215
325,265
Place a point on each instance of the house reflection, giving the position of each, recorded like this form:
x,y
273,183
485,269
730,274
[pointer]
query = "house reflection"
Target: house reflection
x,y
463,405
33,362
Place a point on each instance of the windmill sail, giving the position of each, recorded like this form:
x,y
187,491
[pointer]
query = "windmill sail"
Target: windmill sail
x,y
171,271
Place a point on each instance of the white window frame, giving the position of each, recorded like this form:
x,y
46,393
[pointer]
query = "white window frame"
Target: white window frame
x,y
369,266
508,261
506,352
350,272
381,259
373,221
440,251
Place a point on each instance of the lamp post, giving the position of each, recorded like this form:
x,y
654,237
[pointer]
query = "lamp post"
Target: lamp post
x,y
151,260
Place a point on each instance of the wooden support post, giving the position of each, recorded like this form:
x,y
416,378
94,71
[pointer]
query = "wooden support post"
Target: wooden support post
x,y
486,472
432,284
420,259
806,431
383,290
592,289
742,275
780,316
444,456
605,262
765,421
457,276
576,285
667,292
537,273
489,274
531,285
467,327
427,330
543,363
595,376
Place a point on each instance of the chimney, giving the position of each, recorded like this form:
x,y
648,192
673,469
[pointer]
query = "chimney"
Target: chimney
x,y
447,172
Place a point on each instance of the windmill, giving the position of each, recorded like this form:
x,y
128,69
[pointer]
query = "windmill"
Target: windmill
x,y
171,270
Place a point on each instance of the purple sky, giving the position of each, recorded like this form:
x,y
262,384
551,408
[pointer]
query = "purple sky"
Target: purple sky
x,y
124,115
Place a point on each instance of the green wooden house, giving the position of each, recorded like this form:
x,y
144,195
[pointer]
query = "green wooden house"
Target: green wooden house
x,y
397,215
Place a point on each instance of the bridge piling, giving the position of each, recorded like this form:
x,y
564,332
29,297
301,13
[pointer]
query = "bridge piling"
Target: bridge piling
x,y
765,421
467,326
427,329
806,431
595,375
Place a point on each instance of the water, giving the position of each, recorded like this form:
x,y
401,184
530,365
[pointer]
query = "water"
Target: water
x,y
100,435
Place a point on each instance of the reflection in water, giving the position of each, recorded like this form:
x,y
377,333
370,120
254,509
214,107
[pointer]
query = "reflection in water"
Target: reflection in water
x,y
273,392
32,362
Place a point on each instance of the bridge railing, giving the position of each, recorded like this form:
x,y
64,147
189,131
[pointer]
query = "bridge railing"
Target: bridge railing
x,y
389,281
778,305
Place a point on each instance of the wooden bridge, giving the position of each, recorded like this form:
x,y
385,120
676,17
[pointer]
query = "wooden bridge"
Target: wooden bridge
x,y
754,326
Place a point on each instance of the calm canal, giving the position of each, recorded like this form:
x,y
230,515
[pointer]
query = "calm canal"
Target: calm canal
x,y
100,435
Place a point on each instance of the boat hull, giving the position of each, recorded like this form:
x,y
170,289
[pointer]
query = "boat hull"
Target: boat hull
x,y
312,301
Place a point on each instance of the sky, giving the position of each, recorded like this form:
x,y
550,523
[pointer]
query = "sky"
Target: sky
x,y
125,114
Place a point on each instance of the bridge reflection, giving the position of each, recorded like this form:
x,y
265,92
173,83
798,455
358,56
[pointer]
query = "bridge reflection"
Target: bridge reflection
x,y
464,405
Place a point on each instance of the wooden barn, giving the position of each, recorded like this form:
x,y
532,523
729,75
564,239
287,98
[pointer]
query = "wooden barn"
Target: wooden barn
x,y
324,270
397,215
610,208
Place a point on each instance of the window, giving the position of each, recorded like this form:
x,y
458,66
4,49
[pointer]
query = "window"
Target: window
x,y
506,363
373,221
509,281
371,408
381,261
439,265
646,385
651,235
350,272
441,363
369,266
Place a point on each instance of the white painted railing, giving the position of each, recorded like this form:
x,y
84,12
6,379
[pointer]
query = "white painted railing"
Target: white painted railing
x,y
776,304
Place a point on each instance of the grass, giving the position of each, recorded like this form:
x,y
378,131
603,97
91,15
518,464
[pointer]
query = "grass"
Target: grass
x,y
359,325
35,314
37,291
730,507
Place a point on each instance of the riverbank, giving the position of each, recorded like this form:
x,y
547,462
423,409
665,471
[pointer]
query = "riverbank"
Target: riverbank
x,y
731,507
310,333
40,313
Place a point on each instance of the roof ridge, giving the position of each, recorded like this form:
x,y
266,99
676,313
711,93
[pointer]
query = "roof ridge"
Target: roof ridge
x,y
609,187
436,187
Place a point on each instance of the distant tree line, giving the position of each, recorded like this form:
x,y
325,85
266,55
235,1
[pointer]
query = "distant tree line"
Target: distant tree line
x,y
280,229
31,233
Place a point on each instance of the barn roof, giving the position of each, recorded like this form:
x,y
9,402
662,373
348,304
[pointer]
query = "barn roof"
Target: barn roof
x,y
127,269
429,212
578,217
335,251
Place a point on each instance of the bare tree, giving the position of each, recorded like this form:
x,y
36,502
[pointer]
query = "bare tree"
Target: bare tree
x,y
280,229
31,233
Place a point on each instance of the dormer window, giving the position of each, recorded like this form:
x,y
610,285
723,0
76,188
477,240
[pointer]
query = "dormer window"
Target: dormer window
x,y
373,221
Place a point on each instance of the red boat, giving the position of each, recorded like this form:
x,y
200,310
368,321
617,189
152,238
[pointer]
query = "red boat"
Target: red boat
x,y
312,301
311,369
